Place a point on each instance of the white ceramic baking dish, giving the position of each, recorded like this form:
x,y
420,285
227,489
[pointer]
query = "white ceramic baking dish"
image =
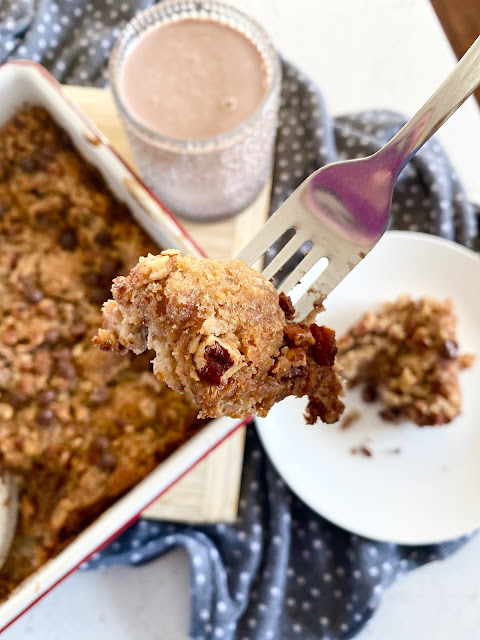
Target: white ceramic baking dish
x,y
26,83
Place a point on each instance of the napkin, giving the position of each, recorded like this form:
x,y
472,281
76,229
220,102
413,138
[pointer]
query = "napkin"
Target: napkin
x,y
280,571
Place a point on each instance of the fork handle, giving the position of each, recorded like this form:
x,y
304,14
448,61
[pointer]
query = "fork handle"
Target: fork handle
x,y
451,94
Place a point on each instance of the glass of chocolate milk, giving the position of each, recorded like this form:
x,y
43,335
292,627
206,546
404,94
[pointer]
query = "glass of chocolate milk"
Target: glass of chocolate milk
x,y
197,88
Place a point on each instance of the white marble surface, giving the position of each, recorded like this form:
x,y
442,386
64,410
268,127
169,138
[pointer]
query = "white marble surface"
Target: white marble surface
x,y
363,53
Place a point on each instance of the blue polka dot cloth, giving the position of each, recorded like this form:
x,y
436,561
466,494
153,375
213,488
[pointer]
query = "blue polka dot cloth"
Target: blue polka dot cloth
x,y
280,571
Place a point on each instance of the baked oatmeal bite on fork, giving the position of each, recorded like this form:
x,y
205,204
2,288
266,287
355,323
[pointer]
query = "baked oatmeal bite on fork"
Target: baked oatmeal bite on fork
x,y
223,336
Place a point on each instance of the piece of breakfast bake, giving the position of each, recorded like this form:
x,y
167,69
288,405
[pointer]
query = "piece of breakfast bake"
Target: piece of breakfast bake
x,y
222,335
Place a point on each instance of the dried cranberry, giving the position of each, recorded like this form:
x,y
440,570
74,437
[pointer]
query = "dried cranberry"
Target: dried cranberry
x,y
68,239
45,397
286,306
28,163
107,461
66,369
325,348
217,362
410,326
14,258
51,336
297,372
49,151
33,295
55,450
100,453
103,238
107,345
449,349
18,399
18,124
43,161
369,394
44,417
99,396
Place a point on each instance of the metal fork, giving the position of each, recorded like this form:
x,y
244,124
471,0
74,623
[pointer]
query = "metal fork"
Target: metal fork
x,y
343,209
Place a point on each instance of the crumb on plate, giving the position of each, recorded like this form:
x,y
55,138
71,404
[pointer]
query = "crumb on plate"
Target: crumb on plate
x,y
349,419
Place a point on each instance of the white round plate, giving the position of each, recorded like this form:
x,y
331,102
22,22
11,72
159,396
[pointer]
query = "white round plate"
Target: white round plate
x,y
421,485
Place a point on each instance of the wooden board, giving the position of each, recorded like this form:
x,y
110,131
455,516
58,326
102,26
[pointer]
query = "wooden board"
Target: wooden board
x,y
209,493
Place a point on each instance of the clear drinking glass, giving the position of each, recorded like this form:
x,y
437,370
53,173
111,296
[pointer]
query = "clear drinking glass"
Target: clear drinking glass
x,y
210,178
